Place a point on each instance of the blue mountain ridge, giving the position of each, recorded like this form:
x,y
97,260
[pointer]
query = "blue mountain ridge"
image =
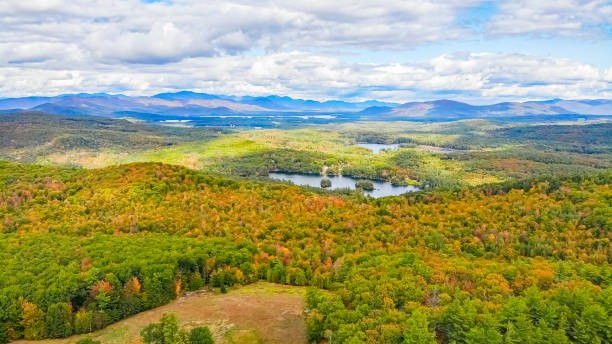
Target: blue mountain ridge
x,y
188,103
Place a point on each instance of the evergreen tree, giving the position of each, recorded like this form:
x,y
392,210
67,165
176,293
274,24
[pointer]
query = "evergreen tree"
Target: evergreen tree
x,y
152,334
59,320
167,331
200,335
169,328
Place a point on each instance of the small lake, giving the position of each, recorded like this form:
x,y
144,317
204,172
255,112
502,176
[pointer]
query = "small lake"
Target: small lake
x,y
381,189
377,147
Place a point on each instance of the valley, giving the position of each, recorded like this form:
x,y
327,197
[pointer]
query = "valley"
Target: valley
x,y
470,152
305,172
481,224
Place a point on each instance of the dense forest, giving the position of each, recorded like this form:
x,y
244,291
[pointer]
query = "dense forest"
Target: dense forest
x,y
526,261
27,136
305,172
433,155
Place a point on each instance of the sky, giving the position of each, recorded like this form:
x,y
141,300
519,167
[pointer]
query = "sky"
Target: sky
x,y
466,50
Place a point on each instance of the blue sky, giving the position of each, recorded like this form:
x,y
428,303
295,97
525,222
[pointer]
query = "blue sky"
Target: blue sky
x,y
468,50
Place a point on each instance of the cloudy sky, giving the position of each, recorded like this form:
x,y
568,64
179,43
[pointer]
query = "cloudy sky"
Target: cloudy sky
x,y
476,51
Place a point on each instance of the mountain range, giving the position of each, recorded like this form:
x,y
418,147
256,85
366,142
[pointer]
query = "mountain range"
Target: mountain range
x,y
186,104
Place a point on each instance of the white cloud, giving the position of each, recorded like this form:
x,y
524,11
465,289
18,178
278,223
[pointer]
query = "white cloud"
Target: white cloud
x,y
482,76
134,31
275,47
164,42
13,53
572,18
608,75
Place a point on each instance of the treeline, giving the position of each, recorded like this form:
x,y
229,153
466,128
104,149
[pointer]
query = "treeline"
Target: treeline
x,y
584,139
262,162
29,135
54,286
529,261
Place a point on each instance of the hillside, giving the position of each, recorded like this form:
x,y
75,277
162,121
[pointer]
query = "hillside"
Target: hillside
x,y
26,136
508,262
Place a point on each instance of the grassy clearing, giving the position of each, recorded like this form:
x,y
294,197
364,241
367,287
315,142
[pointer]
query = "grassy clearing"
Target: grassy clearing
x,y
258,313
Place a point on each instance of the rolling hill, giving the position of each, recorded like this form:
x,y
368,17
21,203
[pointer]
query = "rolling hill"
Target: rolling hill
x,y
83,249
23,136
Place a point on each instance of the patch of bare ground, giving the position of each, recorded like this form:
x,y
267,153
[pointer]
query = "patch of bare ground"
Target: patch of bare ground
x,y
257,313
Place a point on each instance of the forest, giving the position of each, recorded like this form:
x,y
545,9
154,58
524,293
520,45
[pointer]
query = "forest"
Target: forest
x,y
306,172
521,261
445,154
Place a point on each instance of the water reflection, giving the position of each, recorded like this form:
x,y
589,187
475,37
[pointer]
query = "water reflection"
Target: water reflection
x,y
381,189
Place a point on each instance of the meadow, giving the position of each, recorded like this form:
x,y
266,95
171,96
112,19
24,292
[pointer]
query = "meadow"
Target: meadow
x,y
257,313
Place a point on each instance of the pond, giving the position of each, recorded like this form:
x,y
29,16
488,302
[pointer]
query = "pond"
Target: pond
x,y
381,189
377,147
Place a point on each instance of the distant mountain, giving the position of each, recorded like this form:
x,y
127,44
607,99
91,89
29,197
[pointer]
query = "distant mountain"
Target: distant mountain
x,y
192,104
184,103
587,107
449,109
30,102
288,103
164,104
182,95
25,102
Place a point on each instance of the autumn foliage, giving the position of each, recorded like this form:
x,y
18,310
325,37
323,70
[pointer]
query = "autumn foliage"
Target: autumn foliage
x,y
503,263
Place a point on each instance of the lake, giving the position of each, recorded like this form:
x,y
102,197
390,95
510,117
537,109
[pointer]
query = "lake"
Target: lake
x,y
381,189
377,147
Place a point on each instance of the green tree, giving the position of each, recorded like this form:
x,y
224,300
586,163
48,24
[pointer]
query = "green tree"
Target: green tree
x,y
170,328
167,331
315,325
59,320
365,185
83,322
4,338
417,330
152,334
326,183
593,326
9,314
200,335
195,281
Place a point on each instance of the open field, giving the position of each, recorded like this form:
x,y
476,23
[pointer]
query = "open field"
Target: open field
x,y
257,313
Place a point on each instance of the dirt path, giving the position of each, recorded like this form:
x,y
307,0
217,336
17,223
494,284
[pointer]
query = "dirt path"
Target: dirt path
x,y
258,313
